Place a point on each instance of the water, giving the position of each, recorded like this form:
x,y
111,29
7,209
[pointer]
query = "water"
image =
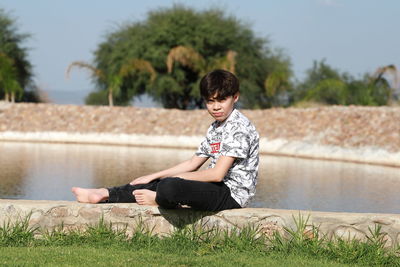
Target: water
x,y
48,171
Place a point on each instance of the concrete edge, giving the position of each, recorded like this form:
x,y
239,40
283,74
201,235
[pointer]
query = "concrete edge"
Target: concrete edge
x,y
276,147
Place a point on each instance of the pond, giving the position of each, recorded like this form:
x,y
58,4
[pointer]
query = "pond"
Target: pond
x,y
48,171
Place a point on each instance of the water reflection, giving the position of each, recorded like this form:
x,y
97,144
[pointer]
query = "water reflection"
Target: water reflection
x,y
13,164
292,183
48,171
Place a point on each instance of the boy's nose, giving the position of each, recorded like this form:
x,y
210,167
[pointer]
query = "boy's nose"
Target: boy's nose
x,y
216,106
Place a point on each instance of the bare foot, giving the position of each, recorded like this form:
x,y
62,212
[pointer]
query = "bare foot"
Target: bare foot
x,y
145,197
90,195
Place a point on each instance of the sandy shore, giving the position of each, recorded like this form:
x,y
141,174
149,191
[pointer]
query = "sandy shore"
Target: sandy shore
x,y
358,134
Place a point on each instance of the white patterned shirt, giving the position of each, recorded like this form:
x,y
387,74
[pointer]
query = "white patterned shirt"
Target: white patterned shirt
x,y
235,137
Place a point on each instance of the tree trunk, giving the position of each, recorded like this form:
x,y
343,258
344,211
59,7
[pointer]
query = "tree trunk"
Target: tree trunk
x,y
110,99
7,97
12,97
390,96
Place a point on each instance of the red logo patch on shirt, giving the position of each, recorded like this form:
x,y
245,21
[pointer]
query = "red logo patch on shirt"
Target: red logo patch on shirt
x,y
215,147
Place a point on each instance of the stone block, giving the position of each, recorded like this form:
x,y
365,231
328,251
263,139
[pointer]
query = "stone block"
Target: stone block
x,y
59,212
36,217
270,228
388,241
120,212
349,233
91,214
383,221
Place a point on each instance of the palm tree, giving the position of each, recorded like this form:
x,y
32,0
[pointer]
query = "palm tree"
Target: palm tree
x,y
114,82
277,81
390,74
8,79
15,88
96,73
185,55
12,46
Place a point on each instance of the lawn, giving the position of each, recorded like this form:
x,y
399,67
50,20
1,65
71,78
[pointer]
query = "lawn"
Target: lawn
x,y
91,256
100,245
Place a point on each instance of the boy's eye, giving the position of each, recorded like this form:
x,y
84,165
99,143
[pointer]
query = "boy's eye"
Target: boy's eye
x,y
221,100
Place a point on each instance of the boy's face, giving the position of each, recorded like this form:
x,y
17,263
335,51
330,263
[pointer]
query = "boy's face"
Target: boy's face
x,y
220,109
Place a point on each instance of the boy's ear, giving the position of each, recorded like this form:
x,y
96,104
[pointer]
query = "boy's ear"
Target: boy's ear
x,y
236,97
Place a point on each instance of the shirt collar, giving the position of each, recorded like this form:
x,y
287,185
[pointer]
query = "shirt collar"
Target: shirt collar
x,y
218,124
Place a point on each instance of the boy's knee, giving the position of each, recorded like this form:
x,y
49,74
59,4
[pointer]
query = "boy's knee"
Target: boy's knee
x,y
167,190
168,186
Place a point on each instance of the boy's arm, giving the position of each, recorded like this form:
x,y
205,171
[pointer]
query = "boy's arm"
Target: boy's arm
x,y
186,166
215,174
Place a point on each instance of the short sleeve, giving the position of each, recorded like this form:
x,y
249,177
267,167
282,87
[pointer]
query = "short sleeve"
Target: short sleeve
x,y
202,150
236,143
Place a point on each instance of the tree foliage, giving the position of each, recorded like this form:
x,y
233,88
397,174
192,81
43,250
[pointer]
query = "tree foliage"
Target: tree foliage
x,y
182,44
326,85
16,70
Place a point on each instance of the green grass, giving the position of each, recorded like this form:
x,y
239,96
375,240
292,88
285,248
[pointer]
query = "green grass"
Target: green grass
x,y
91,256
190,246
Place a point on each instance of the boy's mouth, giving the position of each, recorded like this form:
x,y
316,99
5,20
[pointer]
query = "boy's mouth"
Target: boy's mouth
x,y
218,114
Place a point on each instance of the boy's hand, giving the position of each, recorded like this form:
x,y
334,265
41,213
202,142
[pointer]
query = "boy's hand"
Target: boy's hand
x,y
142,180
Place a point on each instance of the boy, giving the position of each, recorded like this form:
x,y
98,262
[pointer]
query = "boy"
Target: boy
x,y
230,180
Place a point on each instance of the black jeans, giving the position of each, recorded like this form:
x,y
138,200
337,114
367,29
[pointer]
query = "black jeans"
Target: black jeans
x,y
172,192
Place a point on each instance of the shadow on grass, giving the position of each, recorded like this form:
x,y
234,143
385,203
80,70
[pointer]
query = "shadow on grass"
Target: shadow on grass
x,y
182,217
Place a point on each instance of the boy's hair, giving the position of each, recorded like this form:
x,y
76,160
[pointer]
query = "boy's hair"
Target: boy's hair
x,y
219,83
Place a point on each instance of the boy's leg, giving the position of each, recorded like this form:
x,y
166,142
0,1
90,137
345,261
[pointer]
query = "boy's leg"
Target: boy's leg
x,y
124,193
118,194
88,195
172,192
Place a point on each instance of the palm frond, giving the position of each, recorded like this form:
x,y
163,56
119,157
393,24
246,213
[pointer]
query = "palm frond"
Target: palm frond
x,y
276,81
186,56
387,70
115,85
140,65
228,62
83,65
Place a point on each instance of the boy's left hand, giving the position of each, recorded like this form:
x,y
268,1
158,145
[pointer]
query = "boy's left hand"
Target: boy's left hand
x,y
142,180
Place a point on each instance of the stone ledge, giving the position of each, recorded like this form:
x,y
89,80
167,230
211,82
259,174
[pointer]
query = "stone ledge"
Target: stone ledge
x,y
73,215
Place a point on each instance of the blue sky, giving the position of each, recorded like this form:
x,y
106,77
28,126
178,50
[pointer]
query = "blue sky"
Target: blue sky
x,y
356,36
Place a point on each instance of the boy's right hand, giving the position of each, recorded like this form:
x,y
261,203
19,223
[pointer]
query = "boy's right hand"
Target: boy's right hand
x,y
142,180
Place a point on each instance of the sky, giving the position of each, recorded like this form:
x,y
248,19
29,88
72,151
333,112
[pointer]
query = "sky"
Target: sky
x,y
354,36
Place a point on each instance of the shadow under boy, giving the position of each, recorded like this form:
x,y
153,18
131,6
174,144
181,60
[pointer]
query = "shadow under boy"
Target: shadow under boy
x,y
229,181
